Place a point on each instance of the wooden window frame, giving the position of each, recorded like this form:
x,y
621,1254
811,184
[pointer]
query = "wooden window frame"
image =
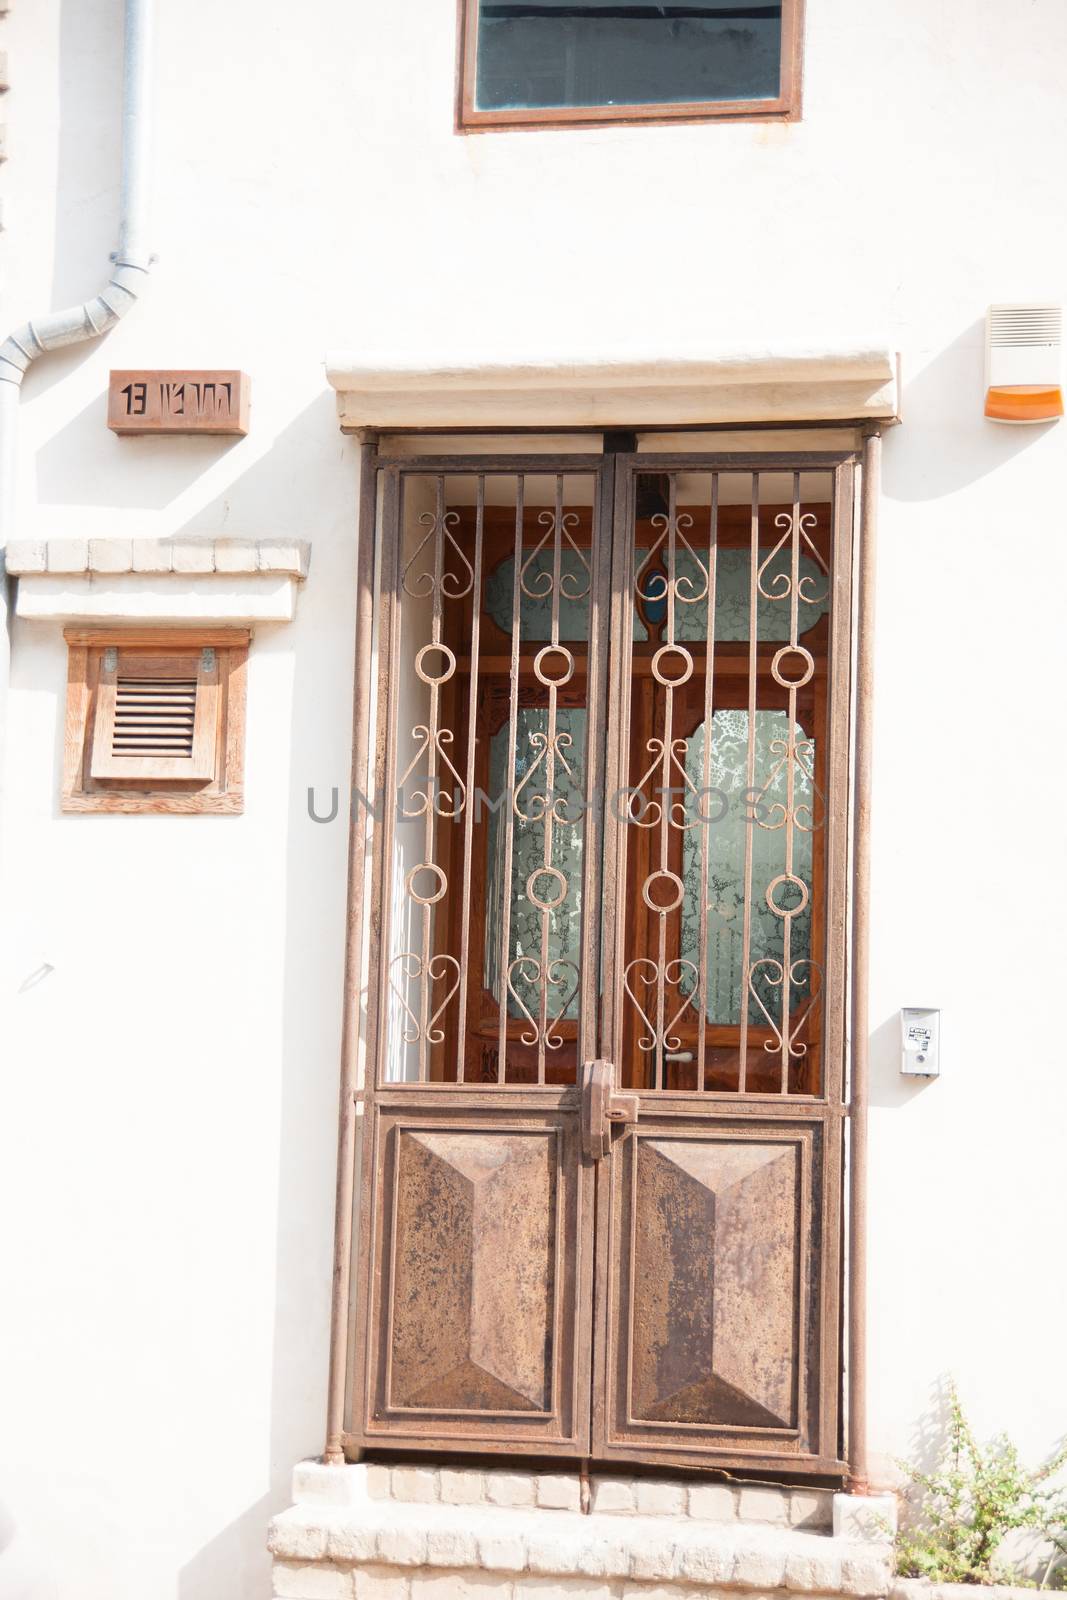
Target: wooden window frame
x,y
211,780
785,107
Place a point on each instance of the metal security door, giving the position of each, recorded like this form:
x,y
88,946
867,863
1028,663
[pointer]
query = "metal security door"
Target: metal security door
x,y
716,1120
600,1210
475,1287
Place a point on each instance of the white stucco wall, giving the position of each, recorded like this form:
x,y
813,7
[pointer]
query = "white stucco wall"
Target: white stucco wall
x,y
166,1140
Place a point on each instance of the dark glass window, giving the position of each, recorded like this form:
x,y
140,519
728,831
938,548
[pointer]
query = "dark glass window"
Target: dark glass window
x,y
575,55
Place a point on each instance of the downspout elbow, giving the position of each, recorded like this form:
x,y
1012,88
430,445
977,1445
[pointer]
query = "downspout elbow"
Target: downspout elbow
x,y
72,326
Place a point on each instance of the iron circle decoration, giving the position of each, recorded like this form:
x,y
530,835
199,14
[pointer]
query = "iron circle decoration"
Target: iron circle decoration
x,y
426,899
539,901
806,658
665,877
672,651
542,672
449,663
797,883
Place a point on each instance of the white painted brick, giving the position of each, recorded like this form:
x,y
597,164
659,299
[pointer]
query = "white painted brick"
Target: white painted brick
x,y
811,1508
315,1483
532,1588
416,1484
654,1558
110,555
864,1575
295,1538
867,1517
813,1574
459,1488
713,1502
446,1547
660,1499
379,1583
317,1582
559,1491
510,1488
193,555
613,1494
707,1564
458,1585
662,1591
756,1504
152,555
27,555
378,1481
759,1569
402,1547
236,555
502,1552
605,1557
281,555
549,1553
68,555
349,1540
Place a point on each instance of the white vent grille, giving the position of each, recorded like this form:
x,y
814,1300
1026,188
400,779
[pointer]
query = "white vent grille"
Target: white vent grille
x,y
1013,327
154,717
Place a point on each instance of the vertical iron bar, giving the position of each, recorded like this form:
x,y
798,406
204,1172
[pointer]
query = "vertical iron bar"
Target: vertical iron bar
x,y
790,778
509,780
861,895
750,781
354,937
472,743
705,827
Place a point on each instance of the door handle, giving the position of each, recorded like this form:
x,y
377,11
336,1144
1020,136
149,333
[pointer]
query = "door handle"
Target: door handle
x,y
603,1107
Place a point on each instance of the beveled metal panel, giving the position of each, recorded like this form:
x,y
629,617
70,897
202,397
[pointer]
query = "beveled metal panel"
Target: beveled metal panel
x,y
477,1275
713,1341
473,1287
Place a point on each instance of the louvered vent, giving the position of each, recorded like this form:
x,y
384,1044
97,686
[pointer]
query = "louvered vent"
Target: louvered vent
x,y
1024,326
154,717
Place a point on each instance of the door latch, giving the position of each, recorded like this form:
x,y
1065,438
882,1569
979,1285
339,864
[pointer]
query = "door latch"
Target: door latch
x,y
603,1107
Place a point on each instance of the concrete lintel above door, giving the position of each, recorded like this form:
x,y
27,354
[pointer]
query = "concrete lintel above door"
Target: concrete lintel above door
x,y
663,389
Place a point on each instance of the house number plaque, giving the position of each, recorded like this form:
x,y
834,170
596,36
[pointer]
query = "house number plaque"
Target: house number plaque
x,y
178,402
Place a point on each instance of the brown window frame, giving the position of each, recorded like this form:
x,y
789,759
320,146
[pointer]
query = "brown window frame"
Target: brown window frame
x,y
785,107
211,778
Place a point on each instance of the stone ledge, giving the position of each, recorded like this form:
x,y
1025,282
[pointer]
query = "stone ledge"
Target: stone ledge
x,y
615,1495
283,557
565,1544
658,387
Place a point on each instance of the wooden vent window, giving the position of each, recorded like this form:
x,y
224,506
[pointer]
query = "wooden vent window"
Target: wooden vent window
x,y
155,720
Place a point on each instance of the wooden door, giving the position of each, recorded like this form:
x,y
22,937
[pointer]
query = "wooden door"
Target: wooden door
x,y
601,1175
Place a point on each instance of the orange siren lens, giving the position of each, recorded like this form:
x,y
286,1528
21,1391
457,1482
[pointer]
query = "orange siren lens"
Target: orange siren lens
x,y
1024,402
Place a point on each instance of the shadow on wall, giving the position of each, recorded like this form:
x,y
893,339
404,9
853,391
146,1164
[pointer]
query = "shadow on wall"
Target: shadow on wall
x,y
945,400
235,1561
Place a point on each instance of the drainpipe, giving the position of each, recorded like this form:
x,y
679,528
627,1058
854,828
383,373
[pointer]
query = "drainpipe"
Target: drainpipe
x,y
132,261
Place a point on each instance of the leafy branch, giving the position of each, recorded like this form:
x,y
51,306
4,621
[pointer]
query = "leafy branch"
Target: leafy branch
x,y
977,1496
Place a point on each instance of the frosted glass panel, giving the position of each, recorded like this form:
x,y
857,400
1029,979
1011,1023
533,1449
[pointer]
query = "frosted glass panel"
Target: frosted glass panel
x,y
726,854
531,803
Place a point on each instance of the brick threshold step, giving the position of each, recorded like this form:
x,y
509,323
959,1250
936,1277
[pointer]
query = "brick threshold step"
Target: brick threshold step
x,y
341,1539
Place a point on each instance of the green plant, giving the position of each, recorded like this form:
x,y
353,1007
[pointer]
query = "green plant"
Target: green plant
x,y
976,1496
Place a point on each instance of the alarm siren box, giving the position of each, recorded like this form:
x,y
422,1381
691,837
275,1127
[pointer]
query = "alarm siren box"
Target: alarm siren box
x,y
1023,363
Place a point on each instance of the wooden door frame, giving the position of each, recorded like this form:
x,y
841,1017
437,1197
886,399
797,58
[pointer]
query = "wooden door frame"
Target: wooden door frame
x,y
353,1096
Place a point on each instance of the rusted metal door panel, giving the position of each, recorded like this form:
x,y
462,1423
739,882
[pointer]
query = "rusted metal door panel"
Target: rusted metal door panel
x,y
479,1275
713,1338
718,1240
474,1291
